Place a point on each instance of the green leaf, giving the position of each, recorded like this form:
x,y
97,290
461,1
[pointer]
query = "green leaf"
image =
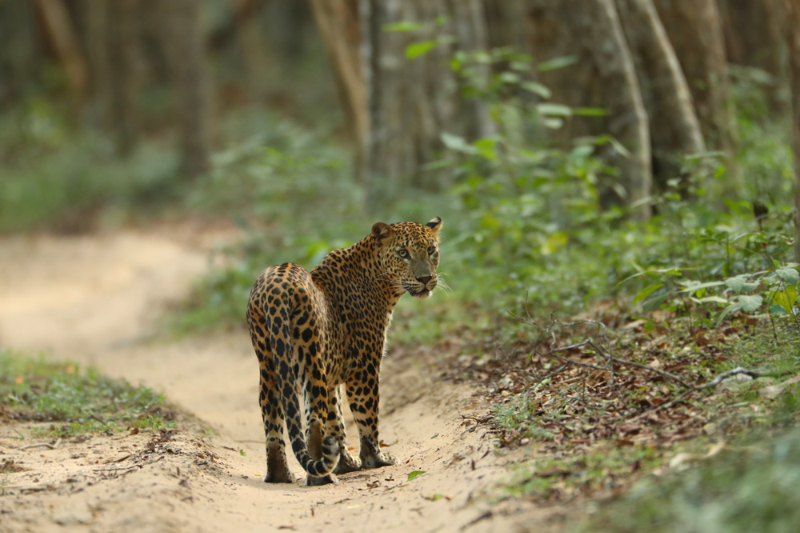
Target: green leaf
x,y
415,50
707,299
556,110
739,284
787,298
402,26
536,88
655,302
647,291
590,111
553,123
415,474
725,312
695,288
582,152
454,142
750,302
486,147
558,62
509,77
777,310
789,275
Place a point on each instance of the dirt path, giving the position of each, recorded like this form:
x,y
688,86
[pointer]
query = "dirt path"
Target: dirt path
x,y
95,299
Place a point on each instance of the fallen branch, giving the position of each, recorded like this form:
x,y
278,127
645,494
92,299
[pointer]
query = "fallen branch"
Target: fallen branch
x,y
713,383
50,445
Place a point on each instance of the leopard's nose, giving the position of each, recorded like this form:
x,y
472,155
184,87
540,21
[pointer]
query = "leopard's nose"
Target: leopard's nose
x,y
424,279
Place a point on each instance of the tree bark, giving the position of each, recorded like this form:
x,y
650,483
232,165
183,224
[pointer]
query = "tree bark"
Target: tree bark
x,y
338,23
793,45
674,127
254,50
753,38
97,25
628,118
184,40
411,102
695,31
604,75
123,42
21,52
60,34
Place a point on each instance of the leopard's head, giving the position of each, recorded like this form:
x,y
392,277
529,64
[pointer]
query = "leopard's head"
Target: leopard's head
x,y
409,254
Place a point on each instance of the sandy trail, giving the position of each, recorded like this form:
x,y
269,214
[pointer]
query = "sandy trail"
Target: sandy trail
x,y
95,299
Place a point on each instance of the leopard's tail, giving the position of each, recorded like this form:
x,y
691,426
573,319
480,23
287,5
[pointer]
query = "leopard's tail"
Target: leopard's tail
x,y
287,378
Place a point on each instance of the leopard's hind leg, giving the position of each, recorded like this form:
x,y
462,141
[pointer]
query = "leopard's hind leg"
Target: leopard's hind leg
x,y
315,397
335,427
271,409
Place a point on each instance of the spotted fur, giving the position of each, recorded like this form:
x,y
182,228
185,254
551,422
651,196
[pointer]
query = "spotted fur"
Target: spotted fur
x,y
313,331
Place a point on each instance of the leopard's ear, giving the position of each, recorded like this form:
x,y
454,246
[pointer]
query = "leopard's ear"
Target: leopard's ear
x,y
435,224
381,230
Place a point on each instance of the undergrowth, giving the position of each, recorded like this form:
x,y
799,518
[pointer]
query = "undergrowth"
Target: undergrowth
x,y
72,401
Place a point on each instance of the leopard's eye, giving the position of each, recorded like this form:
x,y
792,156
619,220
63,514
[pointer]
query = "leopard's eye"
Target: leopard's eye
x,y
403,253
431,250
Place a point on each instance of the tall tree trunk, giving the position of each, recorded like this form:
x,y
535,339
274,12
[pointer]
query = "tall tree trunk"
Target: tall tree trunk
x,y
793,44
123,43
628,118
674,128
695,31
604,76
60,33
20,53
411,102
97,24
753,38
253,46
338,23
184,40
505,23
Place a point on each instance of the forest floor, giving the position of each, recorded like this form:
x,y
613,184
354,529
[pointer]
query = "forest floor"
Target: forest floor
x,y
99,300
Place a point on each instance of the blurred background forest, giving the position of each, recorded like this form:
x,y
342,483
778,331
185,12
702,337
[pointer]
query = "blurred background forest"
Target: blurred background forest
x,y
568,145
627,165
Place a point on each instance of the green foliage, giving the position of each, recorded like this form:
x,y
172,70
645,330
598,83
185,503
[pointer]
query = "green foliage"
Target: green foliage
x,y
76,402
291,191
52,176
750,488
575,472
523,230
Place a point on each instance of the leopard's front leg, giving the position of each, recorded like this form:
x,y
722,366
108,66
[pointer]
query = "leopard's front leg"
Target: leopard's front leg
x,y
363,394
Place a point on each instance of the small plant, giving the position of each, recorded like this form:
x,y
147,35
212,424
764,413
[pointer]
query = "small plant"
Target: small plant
x,y
75,402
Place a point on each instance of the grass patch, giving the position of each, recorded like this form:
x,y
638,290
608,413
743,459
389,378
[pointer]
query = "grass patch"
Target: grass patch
x,y
74,401
597,442
747,488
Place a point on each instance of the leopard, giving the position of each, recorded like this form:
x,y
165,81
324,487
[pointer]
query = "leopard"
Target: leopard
x,y
320,337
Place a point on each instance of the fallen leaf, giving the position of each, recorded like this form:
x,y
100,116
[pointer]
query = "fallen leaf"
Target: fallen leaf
x,y
415,474
682,458
715,449
773,391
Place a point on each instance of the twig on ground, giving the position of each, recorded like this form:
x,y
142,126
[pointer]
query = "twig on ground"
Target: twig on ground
x,y
713,383
478,419
101,421
655,370
739,370
50,445
611,360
